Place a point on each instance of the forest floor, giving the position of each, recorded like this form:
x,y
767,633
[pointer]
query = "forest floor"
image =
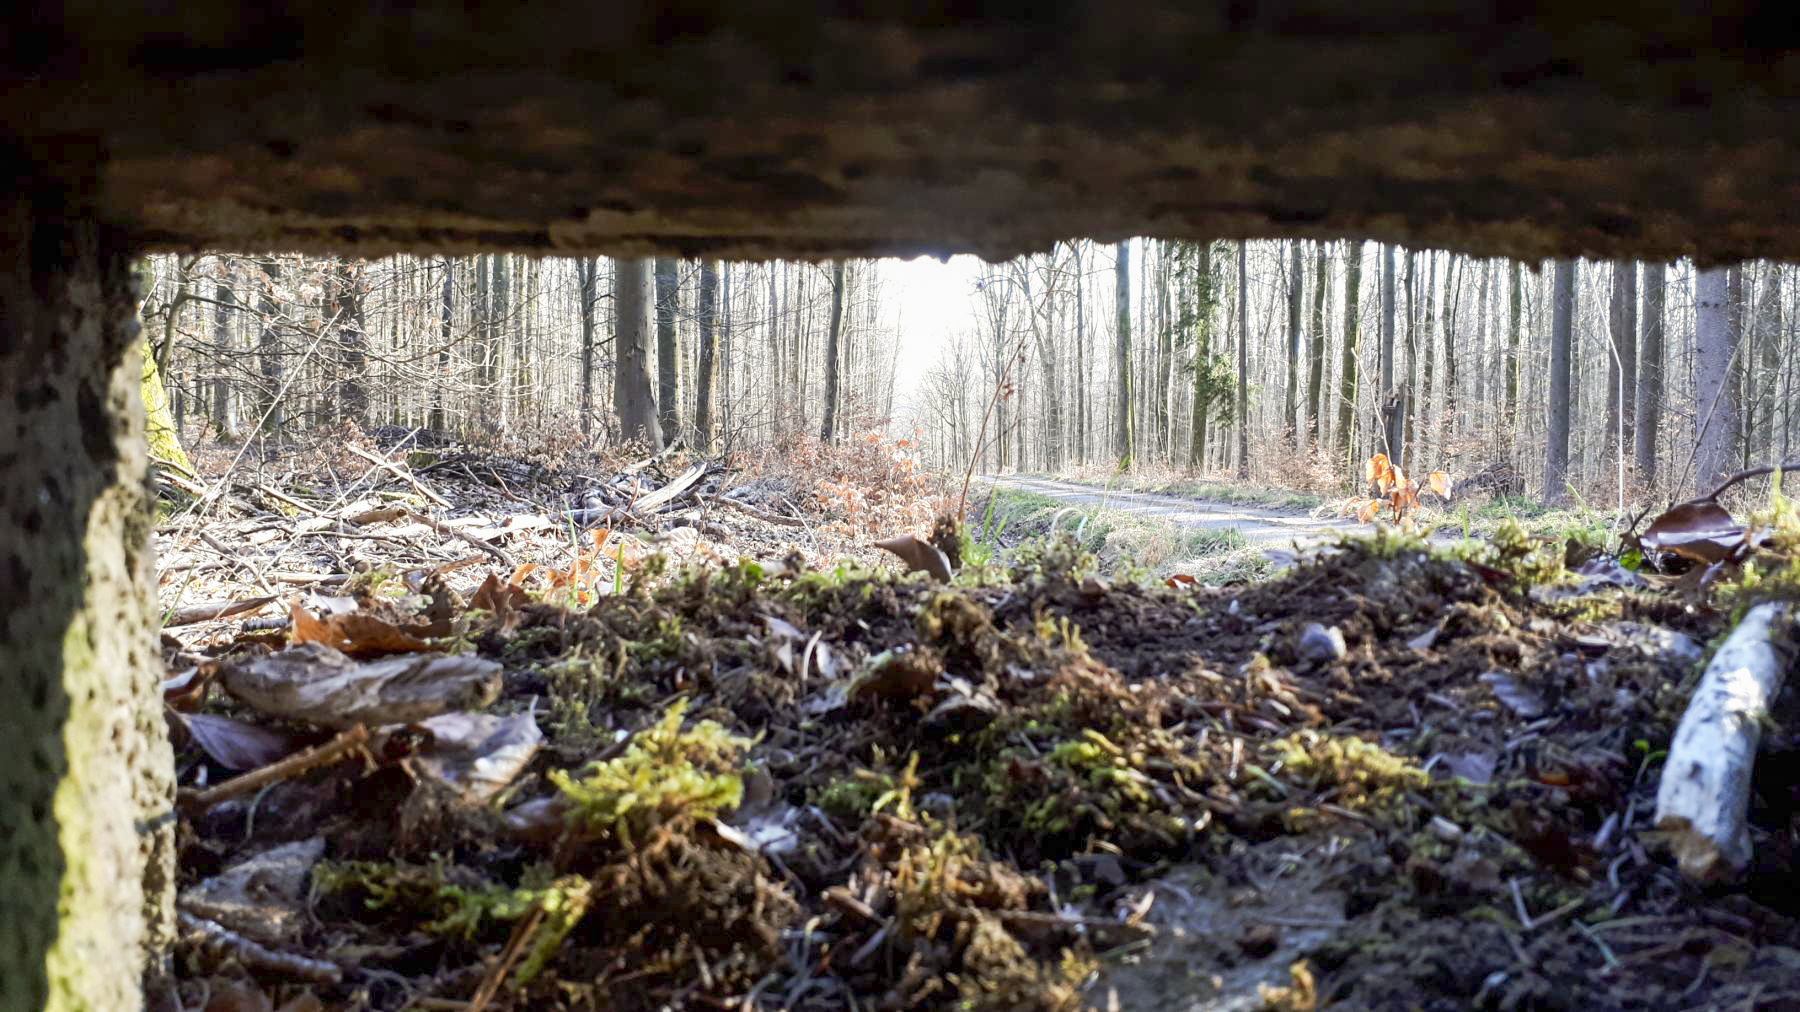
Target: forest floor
x,y
714,752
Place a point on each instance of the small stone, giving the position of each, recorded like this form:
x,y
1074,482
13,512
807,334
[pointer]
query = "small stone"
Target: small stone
x,y
1322,643
1445,830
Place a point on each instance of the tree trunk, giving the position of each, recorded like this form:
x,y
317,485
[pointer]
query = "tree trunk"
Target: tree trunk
x,y
1556,453
445,318
633,397
268,352
827,430
1512,347
1767,335
1621,363
1124,439
1290,408
86,775
1205,297
668,352
587,270
223,417
353,394
1315,377
1650,375
1243,370
1713,404
1389,399
1736,373
1346,428
703,374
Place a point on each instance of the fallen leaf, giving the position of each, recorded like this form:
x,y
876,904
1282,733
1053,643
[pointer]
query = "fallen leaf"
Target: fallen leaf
x,y
356,634
1515,697
320,685
1440,483
1702,531
919,555
478,754
1368,511
237,745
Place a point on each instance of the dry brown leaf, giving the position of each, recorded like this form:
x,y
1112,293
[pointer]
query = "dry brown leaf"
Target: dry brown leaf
x,y
356,634
235,744
499,598
1368,510
320,685
919,555
1440,483
1702,531
1375,468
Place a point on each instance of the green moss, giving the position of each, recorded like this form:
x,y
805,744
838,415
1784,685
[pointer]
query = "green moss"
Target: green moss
x,y
667,774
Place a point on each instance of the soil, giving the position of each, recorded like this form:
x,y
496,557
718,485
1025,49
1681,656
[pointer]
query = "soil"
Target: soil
x,y
1034,789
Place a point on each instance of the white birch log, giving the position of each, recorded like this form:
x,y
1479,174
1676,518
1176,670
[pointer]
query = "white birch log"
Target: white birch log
x,y
1704,794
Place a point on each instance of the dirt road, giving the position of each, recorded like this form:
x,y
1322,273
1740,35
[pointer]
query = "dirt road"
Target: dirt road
x,y
1274,528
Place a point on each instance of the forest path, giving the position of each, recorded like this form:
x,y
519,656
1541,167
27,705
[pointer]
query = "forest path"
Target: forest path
x,y
1259,526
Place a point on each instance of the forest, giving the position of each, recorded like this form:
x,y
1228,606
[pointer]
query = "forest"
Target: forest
x,y
1062,633
1609,382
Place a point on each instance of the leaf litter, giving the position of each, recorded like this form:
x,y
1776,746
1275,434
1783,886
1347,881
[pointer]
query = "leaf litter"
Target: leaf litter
x,y
1388,778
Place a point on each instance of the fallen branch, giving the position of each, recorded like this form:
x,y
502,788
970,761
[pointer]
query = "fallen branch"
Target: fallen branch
x,y
206,611
397,472
763,515
1704,794
460,535
345,743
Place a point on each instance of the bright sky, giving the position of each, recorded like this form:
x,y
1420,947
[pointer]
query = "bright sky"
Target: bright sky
x,y
930,300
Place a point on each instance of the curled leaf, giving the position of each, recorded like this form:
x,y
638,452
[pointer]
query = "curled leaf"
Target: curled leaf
x,y
1440,483
1702,531
919,555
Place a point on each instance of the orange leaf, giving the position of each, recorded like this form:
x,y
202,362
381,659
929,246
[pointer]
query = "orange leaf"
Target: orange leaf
x,y
1440,483
1375,468
1370,508
519,574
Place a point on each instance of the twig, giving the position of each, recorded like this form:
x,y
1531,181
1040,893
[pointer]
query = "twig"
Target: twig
x,y
1714,495
209,610
446,529
763,515
397,472
255,955
319,755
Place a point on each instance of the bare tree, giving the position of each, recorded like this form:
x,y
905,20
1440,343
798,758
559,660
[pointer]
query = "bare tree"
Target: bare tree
x,y
1346,428
1316,358
1124,439
1650,374
1290,408
826,430
1556,454
1714,421
668,352
703,373
1243,384
1621,364
632,395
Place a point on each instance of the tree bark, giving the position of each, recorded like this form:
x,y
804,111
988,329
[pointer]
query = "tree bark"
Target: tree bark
x,y
86,774
633,398
1512,347
1556,453
445,318
268,350
1316,360
1290,408
703,373
1346,428
347,308
1389,400
587,270
1621,364
223,417
1205,298
1650,374
1124,439
827,430
668,352
1243,370
1713,404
